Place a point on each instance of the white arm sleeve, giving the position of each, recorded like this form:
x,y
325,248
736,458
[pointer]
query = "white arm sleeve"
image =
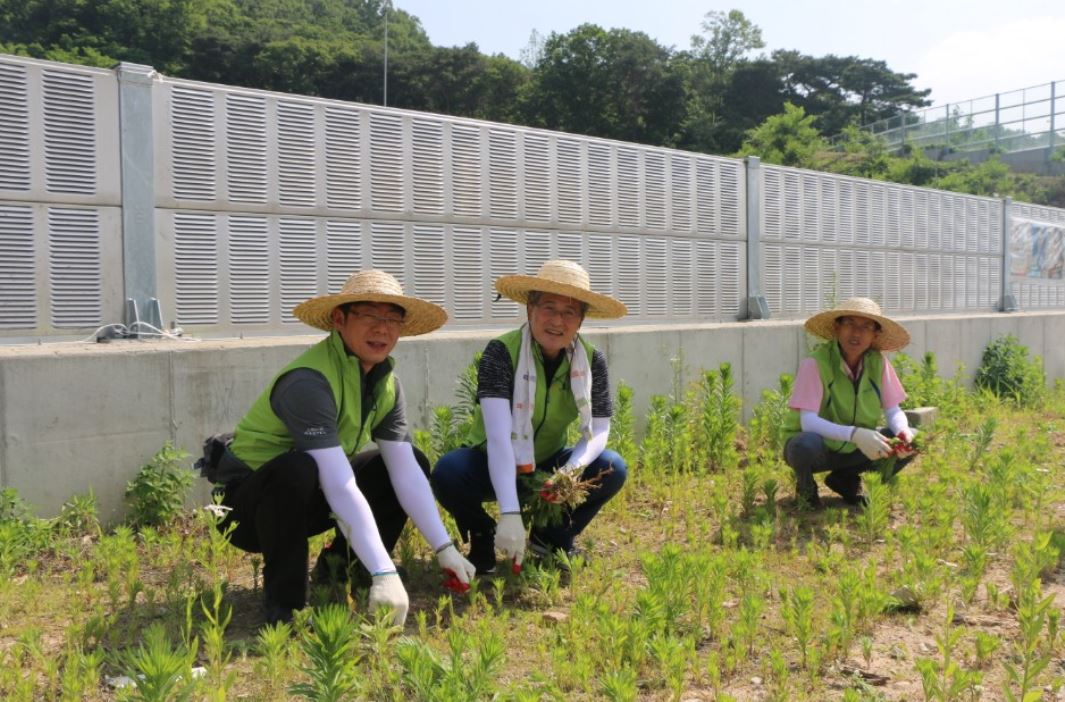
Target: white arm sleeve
x,y
811,421
352,511
896,419
501,463
587,450
413,491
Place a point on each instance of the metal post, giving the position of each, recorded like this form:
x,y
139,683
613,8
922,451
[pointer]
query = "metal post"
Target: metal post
x,y
1007,303
755,305
138,195
384,100
1053,109
997,127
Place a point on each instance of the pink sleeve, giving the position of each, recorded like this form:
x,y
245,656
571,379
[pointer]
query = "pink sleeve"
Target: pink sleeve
x,y
891,392
808,390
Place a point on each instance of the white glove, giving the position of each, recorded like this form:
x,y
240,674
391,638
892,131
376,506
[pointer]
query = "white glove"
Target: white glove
x,y
573,470
388,591
870,442
510,536
449,558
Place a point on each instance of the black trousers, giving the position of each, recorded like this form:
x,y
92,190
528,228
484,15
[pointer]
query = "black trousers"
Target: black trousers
x,y
280,506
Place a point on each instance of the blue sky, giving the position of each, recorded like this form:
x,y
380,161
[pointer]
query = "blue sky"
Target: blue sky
x,y
960,50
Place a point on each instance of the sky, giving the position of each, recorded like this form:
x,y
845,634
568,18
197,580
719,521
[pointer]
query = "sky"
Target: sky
x,y
961,50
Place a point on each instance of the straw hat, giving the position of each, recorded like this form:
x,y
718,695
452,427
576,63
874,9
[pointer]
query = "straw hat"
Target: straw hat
x,y
892,336
373,286
561,278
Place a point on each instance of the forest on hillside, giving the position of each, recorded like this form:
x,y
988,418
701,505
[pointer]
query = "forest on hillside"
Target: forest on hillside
x,y
719,95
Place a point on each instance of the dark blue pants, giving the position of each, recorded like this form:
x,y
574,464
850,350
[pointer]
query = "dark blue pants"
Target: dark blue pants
x,y
807,454
461,483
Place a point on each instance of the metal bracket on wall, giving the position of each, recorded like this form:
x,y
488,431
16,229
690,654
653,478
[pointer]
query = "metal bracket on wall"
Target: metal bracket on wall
x,y
153,317
757,307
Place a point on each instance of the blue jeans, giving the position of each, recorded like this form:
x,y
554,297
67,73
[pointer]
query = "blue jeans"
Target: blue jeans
x,y
461,483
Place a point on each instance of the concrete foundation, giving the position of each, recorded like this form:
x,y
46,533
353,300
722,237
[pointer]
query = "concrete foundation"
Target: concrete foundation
x,y
75,417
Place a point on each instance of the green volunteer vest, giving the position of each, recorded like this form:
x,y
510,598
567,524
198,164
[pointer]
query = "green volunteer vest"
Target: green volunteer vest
x,y
554,408
841,403
261,435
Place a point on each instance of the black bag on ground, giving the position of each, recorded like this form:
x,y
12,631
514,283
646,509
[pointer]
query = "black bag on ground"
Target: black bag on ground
x,y
218,464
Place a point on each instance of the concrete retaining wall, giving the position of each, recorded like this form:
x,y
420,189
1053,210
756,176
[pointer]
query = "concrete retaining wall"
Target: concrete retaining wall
x,y
75,417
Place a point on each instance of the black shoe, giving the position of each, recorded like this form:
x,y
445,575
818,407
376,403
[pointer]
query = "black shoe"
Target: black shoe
x,y
847,487
483,552
809,500
274,613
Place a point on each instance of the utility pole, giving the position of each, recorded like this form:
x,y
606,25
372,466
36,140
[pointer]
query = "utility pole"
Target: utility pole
x,y
388,7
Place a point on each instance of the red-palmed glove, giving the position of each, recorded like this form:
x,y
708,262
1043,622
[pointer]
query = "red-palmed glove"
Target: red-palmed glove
x,y
450,559
510,536
871,443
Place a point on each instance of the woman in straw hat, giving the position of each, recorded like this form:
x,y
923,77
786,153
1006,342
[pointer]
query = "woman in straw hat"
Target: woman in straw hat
x,y
841,392
301,442
532,383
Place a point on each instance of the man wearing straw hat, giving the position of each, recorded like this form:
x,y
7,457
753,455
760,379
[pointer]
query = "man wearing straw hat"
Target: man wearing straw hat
x,y
301,440
532,383
841,392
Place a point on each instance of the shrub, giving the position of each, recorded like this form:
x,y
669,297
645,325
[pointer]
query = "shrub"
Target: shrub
x,y
21,534
1007,372
158,492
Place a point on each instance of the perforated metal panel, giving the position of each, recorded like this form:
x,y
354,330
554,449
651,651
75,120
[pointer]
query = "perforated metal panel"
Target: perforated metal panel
x,y
502,174
60,225
249,270
386,162
468,280
537,251
69,132
388,249
297,171
466,171
14,127
427,166
429,276
537,171
343,158
192,144
18,288
196,267
568,182
265,199
503,260
856,237
343,244
246,148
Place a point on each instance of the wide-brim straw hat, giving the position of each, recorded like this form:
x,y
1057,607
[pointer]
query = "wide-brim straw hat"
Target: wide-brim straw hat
x,y
421,316
564,278
892,336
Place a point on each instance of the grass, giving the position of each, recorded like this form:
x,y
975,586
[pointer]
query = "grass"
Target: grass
x,y
705,581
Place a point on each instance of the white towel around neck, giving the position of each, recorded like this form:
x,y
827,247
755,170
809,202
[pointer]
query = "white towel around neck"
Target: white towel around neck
x,y
521,407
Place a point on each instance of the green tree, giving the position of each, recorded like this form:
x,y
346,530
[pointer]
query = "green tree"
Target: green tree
x,y
842,89
788,139
726,38
618,84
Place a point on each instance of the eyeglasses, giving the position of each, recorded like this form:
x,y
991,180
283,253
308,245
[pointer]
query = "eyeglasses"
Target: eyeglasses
x,y
568,314
858,325
393,323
